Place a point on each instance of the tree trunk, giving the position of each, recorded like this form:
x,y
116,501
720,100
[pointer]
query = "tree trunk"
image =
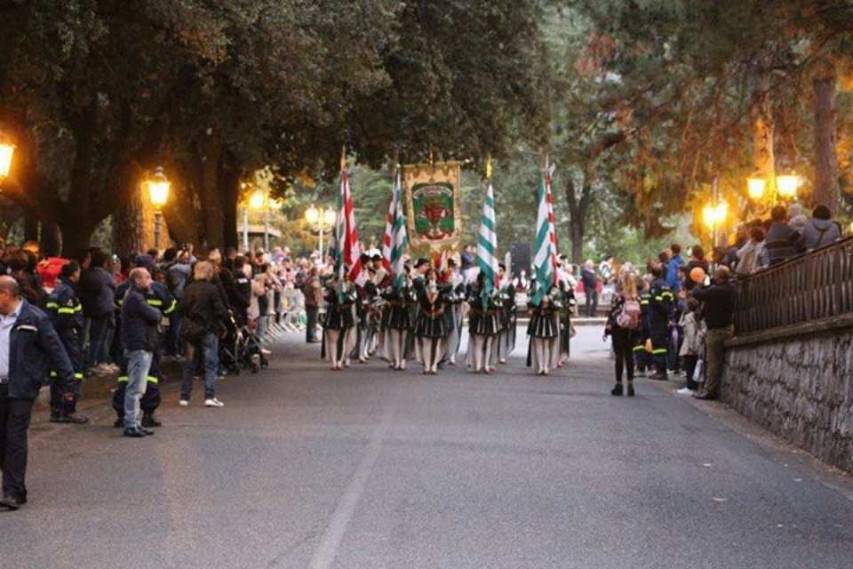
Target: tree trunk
x,y
127,229
31,226
826,189
578,210
76,234
763,128
213,214
51,239
229,179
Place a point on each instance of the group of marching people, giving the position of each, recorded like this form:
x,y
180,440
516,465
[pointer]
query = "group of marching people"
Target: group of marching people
x,y
420,315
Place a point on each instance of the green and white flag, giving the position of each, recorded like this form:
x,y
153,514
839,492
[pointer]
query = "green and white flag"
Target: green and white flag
x,y
487,243
399,237
544,247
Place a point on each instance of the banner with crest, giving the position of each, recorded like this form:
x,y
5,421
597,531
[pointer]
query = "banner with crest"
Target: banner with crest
x,y
433,205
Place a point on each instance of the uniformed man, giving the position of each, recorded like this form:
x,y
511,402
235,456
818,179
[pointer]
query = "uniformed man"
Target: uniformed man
x,y
66,315
641,357
157,296
661,319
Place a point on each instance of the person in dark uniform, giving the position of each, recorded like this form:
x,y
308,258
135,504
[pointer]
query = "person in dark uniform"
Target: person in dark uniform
x,y
66,315
642,359
456,310
660,318
544,328
338,321
483,325
431,325
396,321
29,346
567,310
159,297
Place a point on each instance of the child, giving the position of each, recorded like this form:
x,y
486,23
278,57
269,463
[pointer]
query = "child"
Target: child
x,y
692,348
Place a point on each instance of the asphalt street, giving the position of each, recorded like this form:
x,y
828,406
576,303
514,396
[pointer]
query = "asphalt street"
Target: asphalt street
x,y
371,468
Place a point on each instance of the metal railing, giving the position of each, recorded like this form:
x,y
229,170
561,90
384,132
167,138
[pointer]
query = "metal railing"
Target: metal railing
x,y
812,286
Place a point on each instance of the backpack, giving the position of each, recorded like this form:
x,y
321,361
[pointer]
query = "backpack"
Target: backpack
x,y
629,315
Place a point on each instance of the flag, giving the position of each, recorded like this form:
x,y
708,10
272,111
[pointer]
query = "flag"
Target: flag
x,y
544,247
399,237
552,220
487,244
388,237
348,250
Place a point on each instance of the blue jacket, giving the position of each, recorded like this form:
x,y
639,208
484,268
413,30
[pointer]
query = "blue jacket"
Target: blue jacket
x,y
66,315
34,349
672,272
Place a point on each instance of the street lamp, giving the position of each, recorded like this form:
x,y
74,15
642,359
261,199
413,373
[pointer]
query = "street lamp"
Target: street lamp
x,y
158,187
756,187
321,220
7,151
787,185
715,215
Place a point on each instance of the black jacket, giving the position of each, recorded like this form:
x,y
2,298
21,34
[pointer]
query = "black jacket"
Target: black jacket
x,y
719,299
34,348
97,289
139,323
203,310
66,315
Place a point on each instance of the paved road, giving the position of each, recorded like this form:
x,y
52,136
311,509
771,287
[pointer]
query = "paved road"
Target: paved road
x,y
306,468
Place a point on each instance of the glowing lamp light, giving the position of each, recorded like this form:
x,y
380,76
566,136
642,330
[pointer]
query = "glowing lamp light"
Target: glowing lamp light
x,y
7,151
329,216
158,188
787,185
714,215
755,188
256,200
312,215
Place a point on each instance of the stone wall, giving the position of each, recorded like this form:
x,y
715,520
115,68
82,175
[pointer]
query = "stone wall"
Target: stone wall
x,y
798,385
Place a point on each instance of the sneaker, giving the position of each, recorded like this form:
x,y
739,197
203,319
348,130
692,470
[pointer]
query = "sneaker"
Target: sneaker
x,y
684,391
265,352
184,402
214,402
135,433
617,390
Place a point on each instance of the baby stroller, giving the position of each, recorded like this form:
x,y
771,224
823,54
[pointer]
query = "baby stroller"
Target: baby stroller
x,y
249,353
229,347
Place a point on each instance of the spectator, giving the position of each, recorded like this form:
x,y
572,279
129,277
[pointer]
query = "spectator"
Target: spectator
x,y
97,294
820,230
719,299
672,267
753,255
140,337
693,344
697,259
18,266
590,283
781,237
27,329
203,311
624,325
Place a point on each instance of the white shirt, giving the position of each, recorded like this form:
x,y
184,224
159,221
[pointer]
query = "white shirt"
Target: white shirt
x,y
6,325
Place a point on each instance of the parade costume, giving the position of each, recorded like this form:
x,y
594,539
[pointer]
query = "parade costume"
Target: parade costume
x,y
339,324
483,328
544,332
159,297
396,323
431,326
507,319
566,328
66,315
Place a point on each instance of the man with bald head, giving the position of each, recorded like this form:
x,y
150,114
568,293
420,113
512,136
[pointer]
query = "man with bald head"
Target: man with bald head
x,y
29,349
719,299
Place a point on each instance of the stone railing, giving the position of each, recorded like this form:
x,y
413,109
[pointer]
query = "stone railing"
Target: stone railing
x,y
789,367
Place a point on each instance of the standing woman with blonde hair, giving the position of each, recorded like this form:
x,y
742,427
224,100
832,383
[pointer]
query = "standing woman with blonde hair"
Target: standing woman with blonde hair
x,y
624,325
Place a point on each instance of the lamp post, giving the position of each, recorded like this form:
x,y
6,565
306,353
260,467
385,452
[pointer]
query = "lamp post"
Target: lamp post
x,y
786,187
7,152
158,187
321,219
258,200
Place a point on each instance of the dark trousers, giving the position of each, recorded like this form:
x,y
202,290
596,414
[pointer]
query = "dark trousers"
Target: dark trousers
x,y
689,369
660,348
100,337
311,313
58,402
591,302
623,348
14,422
203,353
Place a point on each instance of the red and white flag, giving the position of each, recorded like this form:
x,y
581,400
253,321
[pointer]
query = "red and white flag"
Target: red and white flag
x,y
388,239
349,250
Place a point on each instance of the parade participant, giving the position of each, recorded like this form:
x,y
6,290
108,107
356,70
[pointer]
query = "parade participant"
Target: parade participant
x,y
660,320
431,325
66,315
204,312
624,325
339,321
158,297
544,329
507,317
567,309
455,313
362,307
28,347
140,339
396,322
483,325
